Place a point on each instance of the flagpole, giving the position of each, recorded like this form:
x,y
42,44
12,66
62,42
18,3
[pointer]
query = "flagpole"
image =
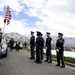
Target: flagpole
x,y
4,28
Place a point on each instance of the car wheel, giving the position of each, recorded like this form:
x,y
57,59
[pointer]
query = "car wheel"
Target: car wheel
x,y
5,54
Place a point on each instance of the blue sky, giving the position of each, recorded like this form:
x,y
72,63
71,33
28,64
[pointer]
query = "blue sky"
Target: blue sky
x,y
40,15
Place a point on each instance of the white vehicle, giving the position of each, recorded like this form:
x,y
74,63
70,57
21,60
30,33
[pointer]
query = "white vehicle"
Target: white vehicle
x,y
3,48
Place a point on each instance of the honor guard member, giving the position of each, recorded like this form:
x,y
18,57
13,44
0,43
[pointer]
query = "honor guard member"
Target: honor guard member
x,y
48,48
42,46
37,46
39,42
32,45
60,50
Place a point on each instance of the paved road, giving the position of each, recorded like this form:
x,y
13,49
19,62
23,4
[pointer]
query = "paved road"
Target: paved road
x,y
18,63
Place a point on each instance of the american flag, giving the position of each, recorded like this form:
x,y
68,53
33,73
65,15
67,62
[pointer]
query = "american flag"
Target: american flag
x,y
8,16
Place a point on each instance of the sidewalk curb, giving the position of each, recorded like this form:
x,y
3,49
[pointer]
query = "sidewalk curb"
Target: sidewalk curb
x,y
67,63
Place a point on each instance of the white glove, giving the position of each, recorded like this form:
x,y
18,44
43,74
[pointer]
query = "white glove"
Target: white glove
x,y
57,50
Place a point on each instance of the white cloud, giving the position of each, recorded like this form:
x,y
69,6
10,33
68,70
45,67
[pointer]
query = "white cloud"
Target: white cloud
x,y
14,4
55,15
33,3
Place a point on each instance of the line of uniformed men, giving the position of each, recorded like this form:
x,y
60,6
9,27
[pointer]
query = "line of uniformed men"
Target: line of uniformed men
x,y
40,45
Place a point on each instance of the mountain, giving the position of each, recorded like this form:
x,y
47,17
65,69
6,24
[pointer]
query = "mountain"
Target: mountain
x,y
17,36
69,42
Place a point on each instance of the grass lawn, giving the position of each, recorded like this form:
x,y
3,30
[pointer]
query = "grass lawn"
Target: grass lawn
x,y
67,59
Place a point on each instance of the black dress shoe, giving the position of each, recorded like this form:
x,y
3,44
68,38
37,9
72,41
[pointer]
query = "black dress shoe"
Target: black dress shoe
x,y
35,61
62,66
57,65
49,62
30,58
33,58
39,62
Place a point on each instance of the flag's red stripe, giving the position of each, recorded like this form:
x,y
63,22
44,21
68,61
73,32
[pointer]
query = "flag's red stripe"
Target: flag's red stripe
x,y
8,15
